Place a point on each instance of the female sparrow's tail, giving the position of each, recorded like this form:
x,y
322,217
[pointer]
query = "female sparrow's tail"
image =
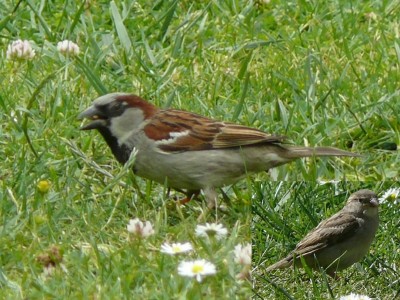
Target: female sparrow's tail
x,y
284,263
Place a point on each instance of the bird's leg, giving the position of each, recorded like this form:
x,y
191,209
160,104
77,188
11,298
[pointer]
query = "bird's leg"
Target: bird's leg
x,y
211,197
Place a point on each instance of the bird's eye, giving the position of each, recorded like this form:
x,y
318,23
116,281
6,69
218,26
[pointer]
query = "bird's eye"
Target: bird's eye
x,y
118,108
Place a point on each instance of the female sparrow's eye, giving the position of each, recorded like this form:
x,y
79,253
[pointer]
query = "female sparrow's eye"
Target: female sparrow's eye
x,y
364,200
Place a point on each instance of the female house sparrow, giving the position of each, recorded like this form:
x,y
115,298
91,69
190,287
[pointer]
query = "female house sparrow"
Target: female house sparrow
x,y
185,150
339,241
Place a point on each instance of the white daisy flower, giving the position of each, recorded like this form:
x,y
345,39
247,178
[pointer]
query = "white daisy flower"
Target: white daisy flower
x,y
198,269
176,248
211,230
243,254
391,195
68,48
20,49
139,228
354,297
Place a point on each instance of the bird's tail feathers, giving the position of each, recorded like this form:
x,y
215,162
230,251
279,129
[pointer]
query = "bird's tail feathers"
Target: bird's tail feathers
x,y
284,263
298,152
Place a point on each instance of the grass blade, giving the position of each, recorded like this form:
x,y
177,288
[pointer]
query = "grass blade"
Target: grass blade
x,y
167,20
92,77
120,28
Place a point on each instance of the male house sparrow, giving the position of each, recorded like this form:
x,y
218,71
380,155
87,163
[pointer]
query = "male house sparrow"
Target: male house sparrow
x,y
187,151
339,241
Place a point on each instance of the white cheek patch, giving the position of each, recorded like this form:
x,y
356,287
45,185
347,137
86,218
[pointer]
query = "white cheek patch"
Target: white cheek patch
x,y
130,122
174,136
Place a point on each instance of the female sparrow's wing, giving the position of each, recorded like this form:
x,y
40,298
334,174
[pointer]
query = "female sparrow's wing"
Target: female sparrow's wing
x,y
329,232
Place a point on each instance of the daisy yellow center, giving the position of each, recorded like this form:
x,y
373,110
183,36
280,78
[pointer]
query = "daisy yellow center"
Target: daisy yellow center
x,y
197,269
392,196
176,249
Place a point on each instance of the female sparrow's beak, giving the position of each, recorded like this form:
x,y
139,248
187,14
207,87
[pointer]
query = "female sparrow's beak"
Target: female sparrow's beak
x,y
92,113
374,202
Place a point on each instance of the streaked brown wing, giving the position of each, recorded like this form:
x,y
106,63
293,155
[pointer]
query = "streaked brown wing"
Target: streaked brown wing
x,y
337,228
184,131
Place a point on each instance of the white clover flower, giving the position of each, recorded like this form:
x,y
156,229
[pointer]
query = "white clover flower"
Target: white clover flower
x,y
333,182
371,16
354,297
391,195
68,48
176,248
211,230
243,254
198,268
20,49
139,228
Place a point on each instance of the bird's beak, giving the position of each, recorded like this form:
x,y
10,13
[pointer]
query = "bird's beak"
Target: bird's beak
x,y
92,113
374,202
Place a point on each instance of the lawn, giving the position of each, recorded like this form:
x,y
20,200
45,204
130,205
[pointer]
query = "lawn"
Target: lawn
x,y
320,73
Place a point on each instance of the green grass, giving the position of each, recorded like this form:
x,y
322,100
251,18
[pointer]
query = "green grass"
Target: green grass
x,y
322,73
284,212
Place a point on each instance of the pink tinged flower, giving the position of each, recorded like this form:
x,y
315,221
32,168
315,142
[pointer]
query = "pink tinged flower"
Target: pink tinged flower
x,y
197,269
68,48
176,248
139,228
211,230
242,254
20,49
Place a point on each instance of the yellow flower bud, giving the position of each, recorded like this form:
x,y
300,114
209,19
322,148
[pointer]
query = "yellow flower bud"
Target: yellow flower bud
x,y
43,186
